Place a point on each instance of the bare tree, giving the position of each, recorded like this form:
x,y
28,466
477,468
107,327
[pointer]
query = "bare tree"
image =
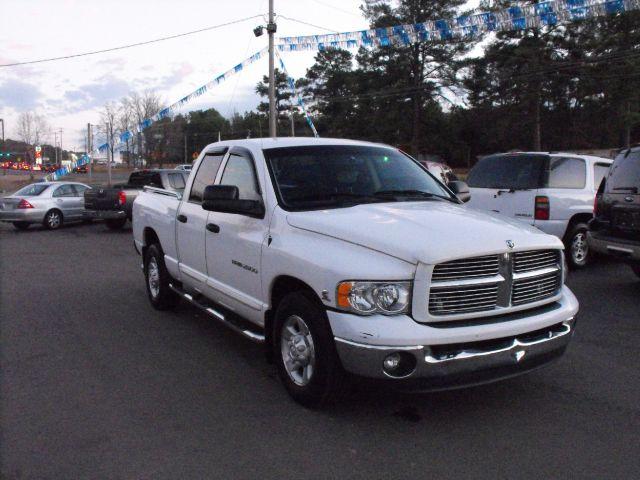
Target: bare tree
x,y
125,123
143,106
32,128
109,119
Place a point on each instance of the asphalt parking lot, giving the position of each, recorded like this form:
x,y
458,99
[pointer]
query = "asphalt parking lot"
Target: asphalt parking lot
x,y
97,384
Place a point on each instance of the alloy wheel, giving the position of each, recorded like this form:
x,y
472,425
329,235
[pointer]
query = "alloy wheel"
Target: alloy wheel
x,y
297,349
579,248
153,277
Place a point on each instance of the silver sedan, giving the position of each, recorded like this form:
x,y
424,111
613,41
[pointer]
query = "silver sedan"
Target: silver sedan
x,y
48,203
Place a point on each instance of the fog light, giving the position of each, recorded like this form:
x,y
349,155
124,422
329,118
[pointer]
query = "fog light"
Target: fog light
x,y
392,362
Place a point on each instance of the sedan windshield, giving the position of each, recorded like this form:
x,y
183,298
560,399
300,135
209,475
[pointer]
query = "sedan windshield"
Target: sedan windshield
x,y
31,190
325,176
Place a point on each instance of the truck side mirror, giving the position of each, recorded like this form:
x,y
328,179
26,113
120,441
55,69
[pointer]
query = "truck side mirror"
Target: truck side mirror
x,y
224,198
461,189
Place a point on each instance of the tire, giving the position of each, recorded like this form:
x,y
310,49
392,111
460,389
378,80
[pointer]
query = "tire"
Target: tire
x,y
636,268
53,220
115,223
21,225
305,352
157,279
577,248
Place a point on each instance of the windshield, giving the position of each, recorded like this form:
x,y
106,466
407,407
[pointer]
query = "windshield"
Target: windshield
x,y
325,176
517,171
32,190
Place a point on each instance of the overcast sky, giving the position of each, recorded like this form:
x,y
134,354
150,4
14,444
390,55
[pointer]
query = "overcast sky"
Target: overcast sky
x,y
70,93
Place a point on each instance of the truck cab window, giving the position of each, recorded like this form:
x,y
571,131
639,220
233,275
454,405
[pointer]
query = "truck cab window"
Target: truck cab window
x,y
205,175
239,171
176,180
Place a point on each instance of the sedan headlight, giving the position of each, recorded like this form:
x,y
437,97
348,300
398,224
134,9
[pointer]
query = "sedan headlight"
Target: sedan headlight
x,y
366,298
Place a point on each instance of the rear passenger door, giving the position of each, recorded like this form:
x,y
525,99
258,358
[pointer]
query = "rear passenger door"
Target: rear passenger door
x,y
65,201
78,204
234,244
191,221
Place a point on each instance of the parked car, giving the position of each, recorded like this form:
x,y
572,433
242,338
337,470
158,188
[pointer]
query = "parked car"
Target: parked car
x,y
186,167
81,169
113,204
348,256
615,228
48,203
552,191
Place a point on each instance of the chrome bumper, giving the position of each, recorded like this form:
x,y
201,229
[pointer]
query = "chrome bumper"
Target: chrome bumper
x,y
457,365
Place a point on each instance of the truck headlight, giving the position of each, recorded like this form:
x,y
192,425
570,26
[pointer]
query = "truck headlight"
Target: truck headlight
x,y
366,298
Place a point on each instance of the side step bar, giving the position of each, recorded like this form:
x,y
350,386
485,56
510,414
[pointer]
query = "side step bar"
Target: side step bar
x,y
226,320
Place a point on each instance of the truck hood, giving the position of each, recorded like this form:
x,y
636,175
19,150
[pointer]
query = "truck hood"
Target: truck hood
x,y
429,232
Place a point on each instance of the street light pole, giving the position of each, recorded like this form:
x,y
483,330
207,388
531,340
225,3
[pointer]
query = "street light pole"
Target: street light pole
x,y
271,29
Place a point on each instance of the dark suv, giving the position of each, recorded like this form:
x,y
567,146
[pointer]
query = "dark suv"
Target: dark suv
x,y
615,229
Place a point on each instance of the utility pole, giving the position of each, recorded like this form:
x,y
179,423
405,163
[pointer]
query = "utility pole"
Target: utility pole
x,y
109,139
4,170
55,146
271,30
293,126
89,151
185,148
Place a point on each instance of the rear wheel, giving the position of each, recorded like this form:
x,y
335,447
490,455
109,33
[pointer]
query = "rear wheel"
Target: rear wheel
x,y
577,247
53,219
21,225
157,279
115,223
306,357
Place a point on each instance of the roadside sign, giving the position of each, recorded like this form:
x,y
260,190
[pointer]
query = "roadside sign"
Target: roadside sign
x,y
38,148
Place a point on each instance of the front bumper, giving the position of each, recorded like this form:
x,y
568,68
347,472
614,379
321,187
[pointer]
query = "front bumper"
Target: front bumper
x,y
451,357
31,215
616,247
106,214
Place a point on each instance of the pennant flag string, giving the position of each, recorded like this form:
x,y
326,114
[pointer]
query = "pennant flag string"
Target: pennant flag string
x,y
129,134
551,12
297,96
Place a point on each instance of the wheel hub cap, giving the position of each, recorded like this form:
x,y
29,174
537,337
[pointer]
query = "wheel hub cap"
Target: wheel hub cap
x,y
579,248
298,353
154,277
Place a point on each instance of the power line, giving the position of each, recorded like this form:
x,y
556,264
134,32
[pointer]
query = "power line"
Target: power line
x,y
308,24
337,8
122,47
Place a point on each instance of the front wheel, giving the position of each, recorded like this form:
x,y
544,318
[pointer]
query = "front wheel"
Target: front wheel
x,y
577,246
157,279
53,220
306,357
21,225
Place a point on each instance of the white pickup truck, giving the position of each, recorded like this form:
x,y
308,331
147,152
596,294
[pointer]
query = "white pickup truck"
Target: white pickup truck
x,y
348,257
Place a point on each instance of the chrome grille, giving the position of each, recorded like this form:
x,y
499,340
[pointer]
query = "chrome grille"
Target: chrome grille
x,y
495,282
475,298
486,266
534,289
535,260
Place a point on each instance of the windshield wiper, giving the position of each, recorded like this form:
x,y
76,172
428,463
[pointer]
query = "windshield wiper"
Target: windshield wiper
x,y
323,197
411,193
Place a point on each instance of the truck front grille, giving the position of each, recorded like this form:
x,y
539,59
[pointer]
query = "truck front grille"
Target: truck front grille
x,y
493,283
467,268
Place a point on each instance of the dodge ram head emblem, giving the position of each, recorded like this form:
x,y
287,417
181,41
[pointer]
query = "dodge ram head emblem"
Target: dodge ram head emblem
x,y
510,244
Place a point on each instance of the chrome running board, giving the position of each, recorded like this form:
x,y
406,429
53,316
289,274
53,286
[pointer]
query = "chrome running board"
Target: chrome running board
x,y
226,320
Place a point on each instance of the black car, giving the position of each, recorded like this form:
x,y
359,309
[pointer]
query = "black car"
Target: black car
x,y
615,228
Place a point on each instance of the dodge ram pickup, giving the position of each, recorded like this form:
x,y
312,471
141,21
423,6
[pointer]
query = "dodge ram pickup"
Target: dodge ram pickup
x,y
348,257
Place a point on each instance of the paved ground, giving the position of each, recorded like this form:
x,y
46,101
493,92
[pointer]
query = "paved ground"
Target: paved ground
x,y
96,384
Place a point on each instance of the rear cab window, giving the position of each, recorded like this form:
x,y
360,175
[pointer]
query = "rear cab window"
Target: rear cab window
x,y
624,176
145,178
509,171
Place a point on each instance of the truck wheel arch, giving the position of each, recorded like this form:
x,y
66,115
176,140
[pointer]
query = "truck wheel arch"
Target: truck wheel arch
x,y
280,287
149,237
576,219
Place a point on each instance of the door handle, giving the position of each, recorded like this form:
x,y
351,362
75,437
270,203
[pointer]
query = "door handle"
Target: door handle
x,y
212,227
182,218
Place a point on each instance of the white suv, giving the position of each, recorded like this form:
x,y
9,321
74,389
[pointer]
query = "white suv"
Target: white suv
x,y
552,191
